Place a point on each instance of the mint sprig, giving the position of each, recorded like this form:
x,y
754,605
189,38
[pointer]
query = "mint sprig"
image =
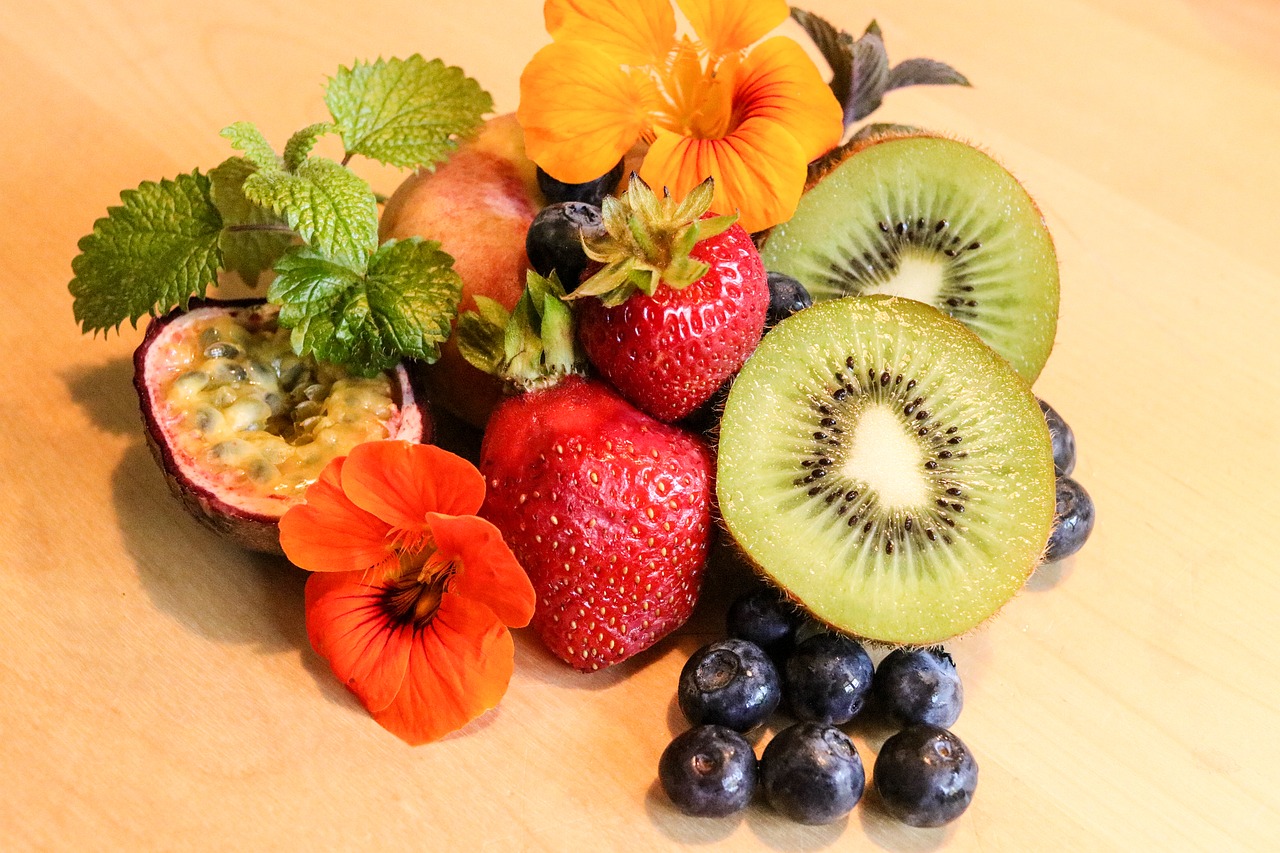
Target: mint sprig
x,y
405,112
309,218
155,251
402,307
861,73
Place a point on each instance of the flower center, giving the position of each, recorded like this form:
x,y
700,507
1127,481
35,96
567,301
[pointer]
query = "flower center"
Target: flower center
x,y
414,593
696,100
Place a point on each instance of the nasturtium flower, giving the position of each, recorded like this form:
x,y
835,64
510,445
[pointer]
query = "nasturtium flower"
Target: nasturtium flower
x,y
721,104
412,594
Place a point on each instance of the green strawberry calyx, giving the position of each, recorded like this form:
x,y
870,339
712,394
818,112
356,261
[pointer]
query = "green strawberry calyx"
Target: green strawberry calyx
x,y
647,241
530,347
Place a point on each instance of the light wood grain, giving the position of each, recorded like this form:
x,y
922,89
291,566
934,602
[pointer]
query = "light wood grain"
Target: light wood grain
x,y
156,687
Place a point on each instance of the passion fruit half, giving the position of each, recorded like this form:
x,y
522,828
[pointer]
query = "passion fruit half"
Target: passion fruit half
x,y
241,425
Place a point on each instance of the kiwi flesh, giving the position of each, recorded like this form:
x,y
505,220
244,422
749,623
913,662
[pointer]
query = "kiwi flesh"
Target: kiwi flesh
x,y
887,469
932,219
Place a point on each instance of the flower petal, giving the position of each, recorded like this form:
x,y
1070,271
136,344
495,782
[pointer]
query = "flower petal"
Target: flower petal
x,y
329,533
579,110
401,482
459,667
349,627
632,32
490,573
780,83
725,26
759,170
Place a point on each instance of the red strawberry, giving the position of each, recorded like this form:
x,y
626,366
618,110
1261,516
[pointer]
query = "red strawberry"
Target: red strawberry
x,y
608,511
683,299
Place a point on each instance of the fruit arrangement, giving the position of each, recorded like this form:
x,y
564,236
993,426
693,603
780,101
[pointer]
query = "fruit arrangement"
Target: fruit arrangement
x,y
669,311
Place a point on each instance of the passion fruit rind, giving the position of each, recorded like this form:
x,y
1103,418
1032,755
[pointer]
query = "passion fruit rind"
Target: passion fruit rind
x,y
250,522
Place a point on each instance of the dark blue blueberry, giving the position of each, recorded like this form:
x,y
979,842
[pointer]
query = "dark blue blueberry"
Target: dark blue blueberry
x,y
766,618
1064,440
1073,521
786,297
592,192
920,686
812,773
925,776
827,678
554,241
709,771
730,683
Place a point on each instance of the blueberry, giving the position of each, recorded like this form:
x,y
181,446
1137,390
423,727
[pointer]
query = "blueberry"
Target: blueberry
x,y
709,771
786,297
1064,440
765,618
554,241
925,776
591,192
812,773
1073,521
827,678
920,686
730,683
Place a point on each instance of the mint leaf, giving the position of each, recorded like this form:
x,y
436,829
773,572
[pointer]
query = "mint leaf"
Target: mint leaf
x,y
925,72
870,76
402,308
405,112
301,143
246,137
329,206
149,255
247,252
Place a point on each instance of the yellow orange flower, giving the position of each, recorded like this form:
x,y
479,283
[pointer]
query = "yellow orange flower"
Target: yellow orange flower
x,y
413,594
749,113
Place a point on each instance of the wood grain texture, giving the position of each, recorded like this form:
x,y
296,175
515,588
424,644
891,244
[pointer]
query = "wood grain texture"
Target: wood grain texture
x,y
156,687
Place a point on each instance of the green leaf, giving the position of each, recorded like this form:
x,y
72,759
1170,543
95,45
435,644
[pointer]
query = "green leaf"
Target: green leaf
x,y
149,255
330,207
405,112
925,72
247,252
402,308
870,76
480,335
246,137
301,143
833,49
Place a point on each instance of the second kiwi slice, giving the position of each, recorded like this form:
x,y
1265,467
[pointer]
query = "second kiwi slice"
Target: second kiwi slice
x,y
887,469
935,220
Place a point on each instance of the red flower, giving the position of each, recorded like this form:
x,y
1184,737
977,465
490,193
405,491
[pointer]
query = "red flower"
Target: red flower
x,y
413,594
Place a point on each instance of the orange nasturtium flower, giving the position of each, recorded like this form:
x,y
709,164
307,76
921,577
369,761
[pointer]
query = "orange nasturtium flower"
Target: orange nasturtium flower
x,y
751,117
412,594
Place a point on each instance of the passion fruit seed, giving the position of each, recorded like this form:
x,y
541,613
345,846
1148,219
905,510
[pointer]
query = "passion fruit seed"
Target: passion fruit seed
x,y
261,412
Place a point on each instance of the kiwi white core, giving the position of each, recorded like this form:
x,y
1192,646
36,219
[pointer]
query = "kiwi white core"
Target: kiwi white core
x,y
920,276
886,459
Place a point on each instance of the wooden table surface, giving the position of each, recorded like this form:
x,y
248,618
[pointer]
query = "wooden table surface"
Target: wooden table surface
x,y
156,686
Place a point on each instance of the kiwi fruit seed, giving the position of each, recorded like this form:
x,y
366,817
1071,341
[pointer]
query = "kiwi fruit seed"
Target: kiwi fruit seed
x,y
932,219
887,469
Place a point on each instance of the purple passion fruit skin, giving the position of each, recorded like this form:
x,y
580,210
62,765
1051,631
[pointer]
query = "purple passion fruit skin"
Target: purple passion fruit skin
x,y
224,500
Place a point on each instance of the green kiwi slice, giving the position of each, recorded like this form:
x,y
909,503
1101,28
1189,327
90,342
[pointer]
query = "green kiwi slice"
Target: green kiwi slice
x,y
886,468
932,219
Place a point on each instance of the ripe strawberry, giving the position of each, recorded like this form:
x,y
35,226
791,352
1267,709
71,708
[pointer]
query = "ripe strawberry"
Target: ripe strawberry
x,y
683,299
607,509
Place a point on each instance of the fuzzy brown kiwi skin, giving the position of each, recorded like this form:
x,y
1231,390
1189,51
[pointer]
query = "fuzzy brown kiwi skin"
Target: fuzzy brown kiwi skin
x,y
253,531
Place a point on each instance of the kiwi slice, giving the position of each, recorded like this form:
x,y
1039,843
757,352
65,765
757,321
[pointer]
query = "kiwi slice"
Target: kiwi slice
x,y
931,219
887,469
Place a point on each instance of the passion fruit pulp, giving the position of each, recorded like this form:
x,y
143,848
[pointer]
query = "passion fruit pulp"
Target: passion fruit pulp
x,y
241,426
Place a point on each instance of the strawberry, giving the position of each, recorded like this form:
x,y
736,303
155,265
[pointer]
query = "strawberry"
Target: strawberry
x,y
683,299
607,509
